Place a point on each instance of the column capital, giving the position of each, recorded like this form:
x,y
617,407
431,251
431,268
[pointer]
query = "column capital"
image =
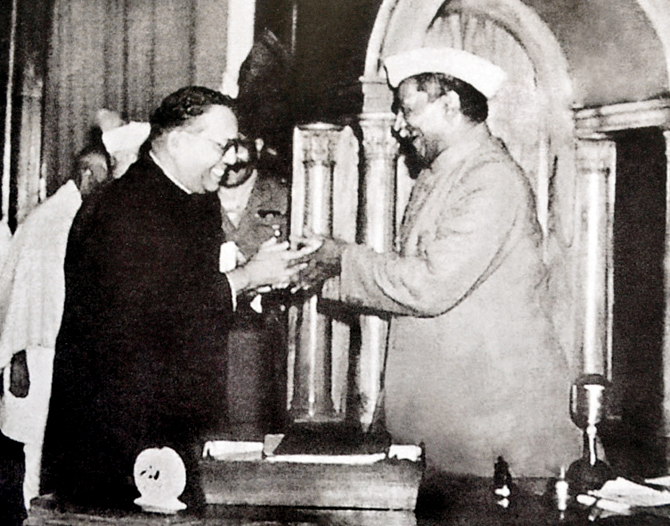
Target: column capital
x,y
319,142
378,142
595,154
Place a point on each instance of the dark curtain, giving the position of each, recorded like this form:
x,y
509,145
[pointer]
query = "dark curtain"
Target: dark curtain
x,y
123,55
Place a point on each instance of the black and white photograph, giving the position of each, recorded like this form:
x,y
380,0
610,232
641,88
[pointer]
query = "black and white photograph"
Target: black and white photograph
x,y
334,262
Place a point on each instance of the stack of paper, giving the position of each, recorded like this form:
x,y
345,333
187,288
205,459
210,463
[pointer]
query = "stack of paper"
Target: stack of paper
x,y
663,482
621,496
232,450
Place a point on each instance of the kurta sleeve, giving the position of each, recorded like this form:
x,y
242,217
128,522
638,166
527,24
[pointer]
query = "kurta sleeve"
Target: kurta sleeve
x,y
468,238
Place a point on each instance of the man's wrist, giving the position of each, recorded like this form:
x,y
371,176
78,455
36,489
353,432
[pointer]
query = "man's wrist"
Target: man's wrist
x,y
239,279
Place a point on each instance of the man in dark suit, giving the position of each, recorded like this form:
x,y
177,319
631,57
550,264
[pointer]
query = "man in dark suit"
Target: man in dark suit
x,y
140,357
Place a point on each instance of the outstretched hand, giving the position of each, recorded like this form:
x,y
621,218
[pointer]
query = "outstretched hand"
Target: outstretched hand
x,y
273,266
321,264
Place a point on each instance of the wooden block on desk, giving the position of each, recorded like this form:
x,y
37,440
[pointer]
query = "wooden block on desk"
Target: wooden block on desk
x,y
383,485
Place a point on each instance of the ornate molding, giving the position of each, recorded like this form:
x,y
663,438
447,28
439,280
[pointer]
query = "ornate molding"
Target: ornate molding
x,y
594,155
591,122
319,143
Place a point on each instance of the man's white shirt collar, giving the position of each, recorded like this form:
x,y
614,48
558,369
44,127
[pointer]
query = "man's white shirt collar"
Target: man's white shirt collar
x,y
168,174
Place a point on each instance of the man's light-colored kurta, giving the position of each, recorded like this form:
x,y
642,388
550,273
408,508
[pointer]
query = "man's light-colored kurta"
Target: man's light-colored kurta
x,y
472,367
32,292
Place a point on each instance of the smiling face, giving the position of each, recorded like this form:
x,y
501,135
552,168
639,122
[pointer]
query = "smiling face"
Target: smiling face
x,y
203,149
420,123
245,164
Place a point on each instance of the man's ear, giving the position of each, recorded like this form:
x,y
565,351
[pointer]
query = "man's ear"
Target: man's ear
x,y
452,101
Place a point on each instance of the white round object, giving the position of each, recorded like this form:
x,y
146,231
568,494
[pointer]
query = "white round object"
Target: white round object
x,y
160,477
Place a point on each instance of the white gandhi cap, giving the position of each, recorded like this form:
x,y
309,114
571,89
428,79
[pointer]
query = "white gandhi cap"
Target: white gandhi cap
x,y
127,137
481,74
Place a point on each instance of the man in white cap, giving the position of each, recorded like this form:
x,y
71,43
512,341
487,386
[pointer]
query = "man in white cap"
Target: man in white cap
x,y
123,145
472,368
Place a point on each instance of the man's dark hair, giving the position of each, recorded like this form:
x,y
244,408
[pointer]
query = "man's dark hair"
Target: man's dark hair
x,y
473,103
178,108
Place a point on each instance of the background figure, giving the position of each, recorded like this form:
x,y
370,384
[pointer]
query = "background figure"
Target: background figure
x,y
254,202
123,144
92,169
32,291
472,367
265,99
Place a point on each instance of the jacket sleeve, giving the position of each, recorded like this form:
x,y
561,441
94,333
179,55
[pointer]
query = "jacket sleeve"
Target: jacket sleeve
x,y
470,236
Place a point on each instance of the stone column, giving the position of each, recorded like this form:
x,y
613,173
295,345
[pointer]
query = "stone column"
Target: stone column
x,y
596,164
310,334
378,194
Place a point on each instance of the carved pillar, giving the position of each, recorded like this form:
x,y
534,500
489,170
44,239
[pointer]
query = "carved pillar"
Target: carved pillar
x,y
310,335
378,227
596,163
345,218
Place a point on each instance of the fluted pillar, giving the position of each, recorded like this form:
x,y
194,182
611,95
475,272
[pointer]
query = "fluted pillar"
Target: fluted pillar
x,y
310,334
378,194
596,164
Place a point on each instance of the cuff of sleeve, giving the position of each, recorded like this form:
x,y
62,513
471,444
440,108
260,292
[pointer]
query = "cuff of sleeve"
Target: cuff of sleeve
x,y
233,292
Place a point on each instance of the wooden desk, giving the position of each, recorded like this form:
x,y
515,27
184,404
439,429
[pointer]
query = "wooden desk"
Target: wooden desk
x,y
450,502
43,514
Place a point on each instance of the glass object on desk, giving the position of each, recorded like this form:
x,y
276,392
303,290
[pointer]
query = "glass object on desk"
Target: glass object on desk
x,y
588,407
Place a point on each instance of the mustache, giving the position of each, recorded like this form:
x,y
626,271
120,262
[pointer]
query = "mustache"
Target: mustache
x,y
239,166
406,143
407,138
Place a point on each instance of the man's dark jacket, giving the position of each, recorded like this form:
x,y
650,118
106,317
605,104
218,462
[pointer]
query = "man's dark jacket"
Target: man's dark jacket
x,y
140,357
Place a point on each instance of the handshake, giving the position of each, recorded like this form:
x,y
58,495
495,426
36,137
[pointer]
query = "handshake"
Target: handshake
x,y
306,266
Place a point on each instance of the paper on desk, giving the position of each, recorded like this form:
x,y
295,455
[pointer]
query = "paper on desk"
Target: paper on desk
x,y
233,450
328,459
660,481
411,453
627,492
607,507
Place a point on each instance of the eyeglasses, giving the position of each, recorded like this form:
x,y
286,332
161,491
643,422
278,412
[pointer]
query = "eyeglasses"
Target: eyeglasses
x,y
223,149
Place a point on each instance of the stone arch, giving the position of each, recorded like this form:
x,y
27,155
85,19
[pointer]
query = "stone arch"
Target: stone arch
x,y
658,13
